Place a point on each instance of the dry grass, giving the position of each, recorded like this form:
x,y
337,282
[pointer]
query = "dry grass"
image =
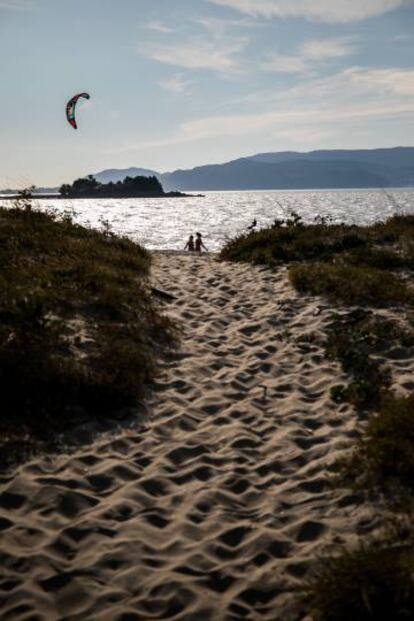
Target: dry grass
x,y
371,583
346,263
80,334
384,455
351,285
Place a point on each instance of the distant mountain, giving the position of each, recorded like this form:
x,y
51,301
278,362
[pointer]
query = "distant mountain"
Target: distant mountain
x,y
301,174
367,168
339,168
116,174
396,157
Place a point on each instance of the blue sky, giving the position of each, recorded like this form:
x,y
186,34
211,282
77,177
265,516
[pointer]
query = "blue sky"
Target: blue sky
x,y
180,83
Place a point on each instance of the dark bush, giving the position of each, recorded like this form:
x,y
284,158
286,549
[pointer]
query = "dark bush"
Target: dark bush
x,y
352,285
372,583
80,333
385,453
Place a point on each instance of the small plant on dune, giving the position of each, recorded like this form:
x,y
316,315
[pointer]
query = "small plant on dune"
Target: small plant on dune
x,y
384,456
351,342
24,198
106,227
323,220
294,219
396,230
378,333
371,583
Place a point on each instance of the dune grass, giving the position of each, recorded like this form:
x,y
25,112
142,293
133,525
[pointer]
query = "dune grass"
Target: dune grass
x,y
352,341
292,240
375,581
346,263
281,244
350,284
79,334
385,453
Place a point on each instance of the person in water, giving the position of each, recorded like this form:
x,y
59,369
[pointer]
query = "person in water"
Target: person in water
x,y
199,243
190,244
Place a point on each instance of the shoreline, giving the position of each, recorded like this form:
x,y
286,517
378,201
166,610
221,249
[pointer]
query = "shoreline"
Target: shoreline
x,y
261,190
60,197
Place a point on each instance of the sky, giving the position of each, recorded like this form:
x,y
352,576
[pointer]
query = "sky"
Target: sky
x,y
182,83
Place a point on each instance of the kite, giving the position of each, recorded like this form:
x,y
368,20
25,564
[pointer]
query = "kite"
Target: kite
x,y
71,107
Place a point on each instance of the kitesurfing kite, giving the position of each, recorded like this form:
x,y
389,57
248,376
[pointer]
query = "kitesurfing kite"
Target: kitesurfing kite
x,y
71,108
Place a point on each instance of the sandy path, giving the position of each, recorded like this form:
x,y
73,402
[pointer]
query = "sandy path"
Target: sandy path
x,y
215,509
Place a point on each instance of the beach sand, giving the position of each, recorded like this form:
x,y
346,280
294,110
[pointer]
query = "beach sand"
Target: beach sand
x,y
216,507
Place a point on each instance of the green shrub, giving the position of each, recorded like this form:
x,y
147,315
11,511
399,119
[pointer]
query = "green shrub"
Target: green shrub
x,y
378,258
79,331
324,242
351,341
294,243
352,285
372,583
385,453
395,228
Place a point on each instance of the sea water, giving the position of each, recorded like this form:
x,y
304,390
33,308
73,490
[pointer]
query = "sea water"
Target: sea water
x,y
166,223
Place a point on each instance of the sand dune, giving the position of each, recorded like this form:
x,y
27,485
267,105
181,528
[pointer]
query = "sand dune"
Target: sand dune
x,y
216,507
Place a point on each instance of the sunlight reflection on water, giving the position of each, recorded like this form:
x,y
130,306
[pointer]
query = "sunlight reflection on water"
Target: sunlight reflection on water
x,y
166,223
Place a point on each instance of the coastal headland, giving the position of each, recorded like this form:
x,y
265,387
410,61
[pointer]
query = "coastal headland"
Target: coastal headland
x,y
88,187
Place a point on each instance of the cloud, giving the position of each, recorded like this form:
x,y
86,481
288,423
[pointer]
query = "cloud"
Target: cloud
x,y
219,27
403,38
16,5
214,44
158,27
317,106
348,87
199,54
175,84
281,63
324,49
310,54
235,125
310,122
382,81
331,11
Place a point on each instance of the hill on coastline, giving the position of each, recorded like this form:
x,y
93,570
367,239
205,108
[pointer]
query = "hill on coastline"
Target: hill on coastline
x,y
367,168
